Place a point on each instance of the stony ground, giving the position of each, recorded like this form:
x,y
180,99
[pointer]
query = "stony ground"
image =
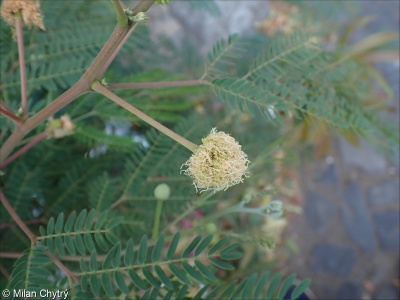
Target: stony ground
x,y
348,236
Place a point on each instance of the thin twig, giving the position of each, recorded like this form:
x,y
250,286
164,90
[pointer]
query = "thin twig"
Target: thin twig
x,y
13,255
6,108
34,221
15,217
32,237
98,87
142,85
59,264
10,114
22,68
110,59
62,267
79,88
143,6
25,148
4,272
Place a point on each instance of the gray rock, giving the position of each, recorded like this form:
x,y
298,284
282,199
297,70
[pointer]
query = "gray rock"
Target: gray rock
x,y
364,157
387,292
329,175
333,259
387,224
350,290
356,217
318,211
384,193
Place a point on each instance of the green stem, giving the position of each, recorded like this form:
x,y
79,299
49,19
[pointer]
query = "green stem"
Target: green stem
x,y
98,87
121,16
156,225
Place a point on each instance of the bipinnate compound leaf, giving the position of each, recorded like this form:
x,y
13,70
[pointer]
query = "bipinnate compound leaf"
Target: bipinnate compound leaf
x,y
255,287
164,272
80,233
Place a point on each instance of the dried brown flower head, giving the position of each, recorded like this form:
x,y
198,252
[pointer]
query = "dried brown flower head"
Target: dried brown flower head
x,y
282,17
29,9
218,163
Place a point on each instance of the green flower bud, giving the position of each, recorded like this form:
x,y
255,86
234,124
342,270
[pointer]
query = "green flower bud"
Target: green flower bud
x,y
162,191
210,228
140,18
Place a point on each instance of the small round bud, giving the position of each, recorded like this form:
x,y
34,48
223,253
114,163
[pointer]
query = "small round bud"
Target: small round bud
x,y
210,227
162,191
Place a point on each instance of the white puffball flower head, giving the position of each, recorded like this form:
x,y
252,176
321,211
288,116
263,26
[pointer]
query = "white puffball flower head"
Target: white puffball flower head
x,y
28,9
217,164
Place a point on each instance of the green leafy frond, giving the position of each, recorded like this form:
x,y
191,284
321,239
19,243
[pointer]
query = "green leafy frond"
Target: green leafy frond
x,y
295,76
93,137
57,58
294,52
162,271
221,57
79,232
31,272
102,192
247,96
71,186
257,287
305,102
22,186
